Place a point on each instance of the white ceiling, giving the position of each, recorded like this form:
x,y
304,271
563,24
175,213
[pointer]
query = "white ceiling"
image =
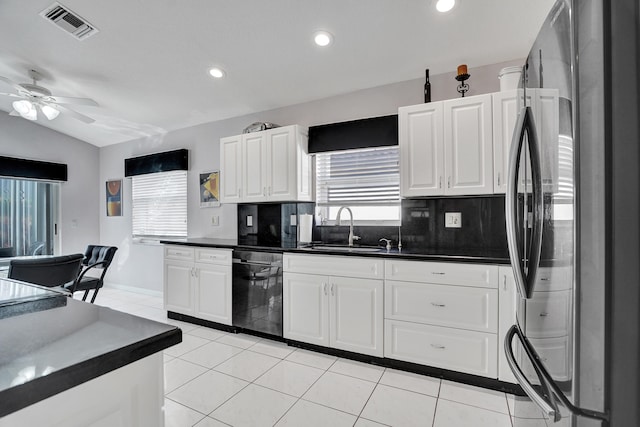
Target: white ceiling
x,y
148,66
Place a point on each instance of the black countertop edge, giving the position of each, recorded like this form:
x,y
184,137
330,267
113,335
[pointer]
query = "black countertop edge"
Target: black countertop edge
x,y
21,396
393,254
383,253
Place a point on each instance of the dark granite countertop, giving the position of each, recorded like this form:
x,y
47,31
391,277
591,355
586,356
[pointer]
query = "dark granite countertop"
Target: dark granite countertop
x,y
476,256
50,343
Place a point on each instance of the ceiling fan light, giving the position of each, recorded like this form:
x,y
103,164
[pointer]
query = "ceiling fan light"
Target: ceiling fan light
x,y
23,106
50,112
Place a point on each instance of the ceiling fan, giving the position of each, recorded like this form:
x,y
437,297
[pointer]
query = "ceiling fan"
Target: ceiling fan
x,y
33,98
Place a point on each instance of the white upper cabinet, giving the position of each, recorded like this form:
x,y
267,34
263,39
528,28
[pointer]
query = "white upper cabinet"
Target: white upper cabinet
x,y
446,148
505,115
231,169
468,145
253,165
421,150
274,166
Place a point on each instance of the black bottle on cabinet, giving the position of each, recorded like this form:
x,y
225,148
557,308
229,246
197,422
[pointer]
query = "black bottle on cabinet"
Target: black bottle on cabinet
x,y
427,87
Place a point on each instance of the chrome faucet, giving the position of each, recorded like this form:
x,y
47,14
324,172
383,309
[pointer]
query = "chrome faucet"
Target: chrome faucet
x,y
351,236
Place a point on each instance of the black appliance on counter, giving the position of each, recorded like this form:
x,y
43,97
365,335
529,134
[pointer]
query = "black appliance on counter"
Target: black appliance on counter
x,y
257,291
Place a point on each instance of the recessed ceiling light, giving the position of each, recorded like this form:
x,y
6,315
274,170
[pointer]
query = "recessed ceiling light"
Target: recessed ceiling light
x,y
445,5
322,38
217,73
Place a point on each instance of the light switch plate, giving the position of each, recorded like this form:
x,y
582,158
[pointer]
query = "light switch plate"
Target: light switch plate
x,y
249,221
453,219
215,220
293,220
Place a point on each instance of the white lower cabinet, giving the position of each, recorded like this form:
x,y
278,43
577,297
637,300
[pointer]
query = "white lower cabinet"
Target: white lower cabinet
x,y
198,282
448,348
443,315
333,311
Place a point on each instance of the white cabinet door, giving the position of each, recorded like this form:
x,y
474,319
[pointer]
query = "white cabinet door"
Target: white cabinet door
x,y
213,293
468,145
178,286
507,299
356,315
421,150
505,115
254,164
305,308
281,164
231,169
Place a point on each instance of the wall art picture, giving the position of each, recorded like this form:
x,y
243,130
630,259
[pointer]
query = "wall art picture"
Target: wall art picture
x,y
114,197
209,189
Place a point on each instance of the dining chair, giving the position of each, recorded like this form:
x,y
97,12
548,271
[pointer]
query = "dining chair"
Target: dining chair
x,y
98,258
47,271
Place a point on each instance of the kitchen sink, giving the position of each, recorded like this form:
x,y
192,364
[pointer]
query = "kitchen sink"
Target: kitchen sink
x,y
338,248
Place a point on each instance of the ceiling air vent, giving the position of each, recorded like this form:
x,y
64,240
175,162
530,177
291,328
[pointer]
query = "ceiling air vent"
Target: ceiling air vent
x,y
69,21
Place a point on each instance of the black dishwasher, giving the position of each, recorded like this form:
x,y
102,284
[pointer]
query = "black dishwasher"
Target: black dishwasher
x,y
257,291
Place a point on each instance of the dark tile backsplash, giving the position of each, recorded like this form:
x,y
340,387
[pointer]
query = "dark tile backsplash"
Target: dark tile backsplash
x,y
422,230
483,227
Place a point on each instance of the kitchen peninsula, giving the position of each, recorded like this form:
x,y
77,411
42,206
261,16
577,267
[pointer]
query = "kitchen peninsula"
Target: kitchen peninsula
x,y
67,362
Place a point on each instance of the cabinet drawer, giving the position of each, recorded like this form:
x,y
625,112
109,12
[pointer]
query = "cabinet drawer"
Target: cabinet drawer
x,y
183,253
553,279
443,305
444,273
213,256
548,314
347,266
554,353
455,349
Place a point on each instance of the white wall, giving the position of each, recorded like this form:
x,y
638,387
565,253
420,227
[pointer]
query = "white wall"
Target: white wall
x,y
140,265
79,222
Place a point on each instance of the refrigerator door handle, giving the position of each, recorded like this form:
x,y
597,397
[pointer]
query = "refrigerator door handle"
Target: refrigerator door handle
x,y
550,388
549,409
524,279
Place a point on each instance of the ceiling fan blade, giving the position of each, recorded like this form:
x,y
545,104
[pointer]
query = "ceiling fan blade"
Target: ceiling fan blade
x,y
72,100
11,83
12,95
75,114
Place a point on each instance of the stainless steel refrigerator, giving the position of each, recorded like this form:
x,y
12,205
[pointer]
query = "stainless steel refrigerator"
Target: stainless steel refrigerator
x,y
555,212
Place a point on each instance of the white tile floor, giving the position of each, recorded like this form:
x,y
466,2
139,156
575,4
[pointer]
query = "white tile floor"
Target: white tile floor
x,y
214,378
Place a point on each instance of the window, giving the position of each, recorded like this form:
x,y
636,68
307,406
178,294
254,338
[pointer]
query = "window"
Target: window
x,y
28,216
159,204
366,180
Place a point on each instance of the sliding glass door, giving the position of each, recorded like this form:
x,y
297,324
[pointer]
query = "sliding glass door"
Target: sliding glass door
x,y
28,217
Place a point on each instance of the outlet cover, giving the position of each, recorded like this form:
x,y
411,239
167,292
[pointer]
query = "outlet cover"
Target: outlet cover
x,y
215,220
453,219
249,221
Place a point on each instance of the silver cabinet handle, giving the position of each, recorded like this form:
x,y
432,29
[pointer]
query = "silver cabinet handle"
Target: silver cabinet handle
x,y
440,182
269,190
435,304
324,286
438,346
449,182
504,282
332,293
438,273
544,314
498,179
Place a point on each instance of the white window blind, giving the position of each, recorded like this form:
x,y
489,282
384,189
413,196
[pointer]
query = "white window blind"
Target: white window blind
x,y
159,204
365,177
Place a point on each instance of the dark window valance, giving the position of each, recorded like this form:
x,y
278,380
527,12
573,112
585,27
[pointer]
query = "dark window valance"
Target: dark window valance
x,y
159,162
364,133
12,167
